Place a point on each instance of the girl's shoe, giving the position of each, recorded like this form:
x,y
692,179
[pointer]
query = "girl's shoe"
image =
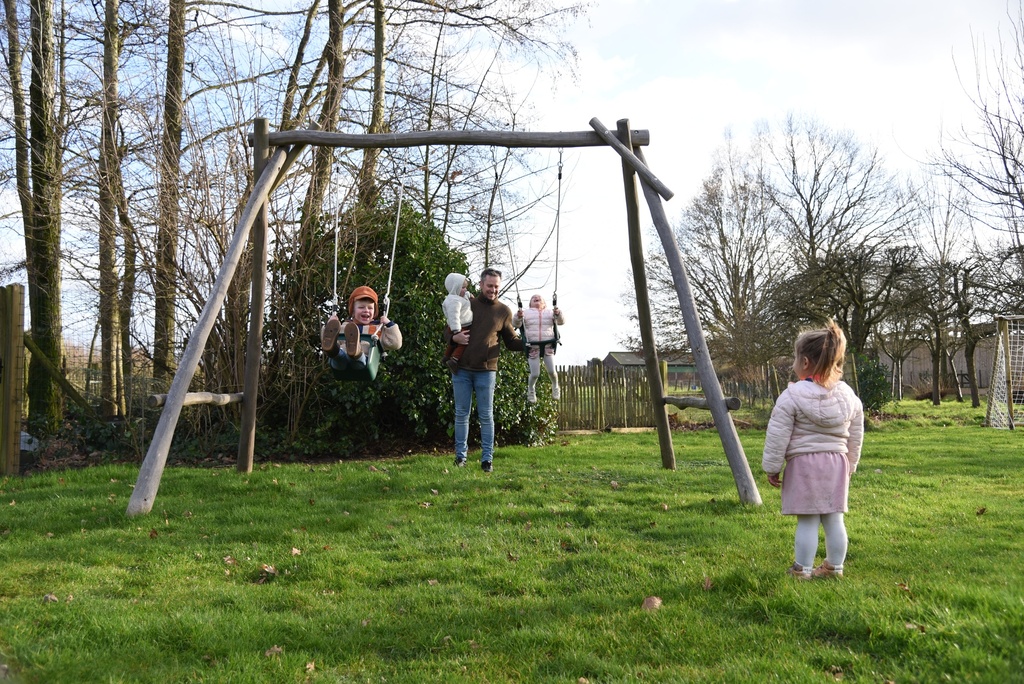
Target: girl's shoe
x,y
826,570
798,571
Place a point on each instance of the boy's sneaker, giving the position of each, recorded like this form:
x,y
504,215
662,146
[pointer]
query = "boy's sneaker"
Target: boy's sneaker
x,y
486,466
453,364
827,570
556,393
329,336
460,462
531,396
352,346
798,571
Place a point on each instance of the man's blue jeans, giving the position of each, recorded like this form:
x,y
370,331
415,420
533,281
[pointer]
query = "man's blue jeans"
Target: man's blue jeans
x,y
465,384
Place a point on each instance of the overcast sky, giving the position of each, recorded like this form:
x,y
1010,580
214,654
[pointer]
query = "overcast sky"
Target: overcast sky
x,y
688,70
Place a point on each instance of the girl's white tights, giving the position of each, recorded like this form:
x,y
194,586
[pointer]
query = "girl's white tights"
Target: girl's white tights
x,y
549,365
836,541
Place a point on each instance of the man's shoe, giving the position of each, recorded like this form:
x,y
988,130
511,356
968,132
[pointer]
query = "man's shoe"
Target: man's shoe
x,y
460,462
329,336
486,466
352,346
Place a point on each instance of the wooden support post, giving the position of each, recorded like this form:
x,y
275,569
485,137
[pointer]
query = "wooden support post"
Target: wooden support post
x,y
643,306
152,469
731,403
745,484
599,396
12,376
258,300
198,398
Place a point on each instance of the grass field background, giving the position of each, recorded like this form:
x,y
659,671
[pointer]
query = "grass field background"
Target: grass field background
x,y
410,570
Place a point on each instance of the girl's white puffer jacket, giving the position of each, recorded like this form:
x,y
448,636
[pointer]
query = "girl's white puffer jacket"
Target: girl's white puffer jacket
x,y
809,418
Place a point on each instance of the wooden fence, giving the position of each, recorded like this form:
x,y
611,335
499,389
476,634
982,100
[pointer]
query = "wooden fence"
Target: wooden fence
x,y
595,398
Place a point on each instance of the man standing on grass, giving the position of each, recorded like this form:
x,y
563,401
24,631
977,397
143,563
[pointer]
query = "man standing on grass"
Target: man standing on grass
x,y
478,367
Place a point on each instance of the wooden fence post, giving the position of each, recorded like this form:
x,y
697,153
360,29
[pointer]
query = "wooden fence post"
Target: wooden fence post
x,y
12,376
599,396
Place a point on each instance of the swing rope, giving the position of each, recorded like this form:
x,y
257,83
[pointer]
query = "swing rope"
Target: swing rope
x,y
508,242
515,277
391,269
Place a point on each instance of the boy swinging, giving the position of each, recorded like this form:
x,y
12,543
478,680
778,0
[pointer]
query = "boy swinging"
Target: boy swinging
x,y
363,330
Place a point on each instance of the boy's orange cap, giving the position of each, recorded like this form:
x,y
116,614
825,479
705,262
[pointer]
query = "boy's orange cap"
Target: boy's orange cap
x,y
362,292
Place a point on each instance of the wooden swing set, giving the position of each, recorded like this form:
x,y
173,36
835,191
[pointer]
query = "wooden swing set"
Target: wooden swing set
x,y
270,170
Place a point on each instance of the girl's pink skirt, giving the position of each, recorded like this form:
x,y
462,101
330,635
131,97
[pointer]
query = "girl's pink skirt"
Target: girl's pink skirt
x,y
815,483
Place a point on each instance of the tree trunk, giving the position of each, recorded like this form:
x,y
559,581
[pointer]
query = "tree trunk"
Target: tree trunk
x,y
367,182
970,345
166,268
43,225
111,382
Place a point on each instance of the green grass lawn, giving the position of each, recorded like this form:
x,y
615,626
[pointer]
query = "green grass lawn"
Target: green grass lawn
x,y
411,570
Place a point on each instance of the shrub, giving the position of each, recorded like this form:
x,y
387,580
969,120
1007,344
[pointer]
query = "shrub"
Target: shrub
x,y
872,384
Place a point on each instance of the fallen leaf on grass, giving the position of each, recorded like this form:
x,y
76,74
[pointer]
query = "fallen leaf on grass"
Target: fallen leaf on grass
x,y
153,534
708,584
296,552
50,598
424,504
311,666
615,485
919,628
582,680
664,507
274,650
980,511
651,603
432,582
512,558
434,492
836,672
230,560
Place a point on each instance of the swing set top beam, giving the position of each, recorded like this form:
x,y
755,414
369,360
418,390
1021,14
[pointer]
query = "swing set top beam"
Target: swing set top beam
x,y
418,138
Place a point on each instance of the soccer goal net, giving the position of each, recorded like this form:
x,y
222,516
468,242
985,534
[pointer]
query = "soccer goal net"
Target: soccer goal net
x,y
1006,391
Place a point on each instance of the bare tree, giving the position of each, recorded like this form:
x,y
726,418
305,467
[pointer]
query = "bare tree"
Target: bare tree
x,y
42,219
111,380
987,157
730,239
846,218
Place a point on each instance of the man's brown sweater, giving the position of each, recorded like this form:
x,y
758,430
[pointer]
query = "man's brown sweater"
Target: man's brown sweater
x,y
491,319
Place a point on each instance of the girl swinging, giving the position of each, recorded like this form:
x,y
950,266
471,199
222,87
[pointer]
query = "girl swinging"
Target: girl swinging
x,y
539,326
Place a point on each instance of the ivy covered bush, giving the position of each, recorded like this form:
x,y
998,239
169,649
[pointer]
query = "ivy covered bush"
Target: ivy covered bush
x,y
307,412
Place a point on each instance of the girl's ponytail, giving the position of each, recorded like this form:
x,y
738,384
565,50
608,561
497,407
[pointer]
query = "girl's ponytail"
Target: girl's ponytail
x,y
825,349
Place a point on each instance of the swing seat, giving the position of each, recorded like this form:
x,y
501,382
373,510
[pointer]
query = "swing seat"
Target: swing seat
x,y
542,344
363,370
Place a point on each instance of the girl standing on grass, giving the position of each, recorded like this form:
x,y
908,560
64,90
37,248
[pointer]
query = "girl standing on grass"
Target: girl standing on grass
x,y
815,431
